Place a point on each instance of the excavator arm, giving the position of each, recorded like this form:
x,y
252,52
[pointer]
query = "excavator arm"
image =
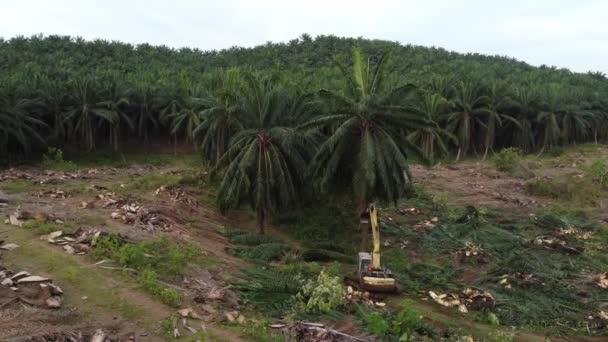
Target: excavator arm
x,y
373,220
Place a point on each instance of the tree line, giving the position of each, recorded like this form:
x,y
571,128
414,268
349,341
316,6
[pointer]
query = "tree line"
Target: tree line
x,y
274,116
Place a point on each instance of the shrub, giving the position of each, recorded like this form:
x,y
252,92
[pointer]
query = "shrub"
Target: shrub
x,y
599,171
149,281
507,159
43,227
321,295
510,160
326,255
53,159
273,289
251,239
263,253
571,189
400,326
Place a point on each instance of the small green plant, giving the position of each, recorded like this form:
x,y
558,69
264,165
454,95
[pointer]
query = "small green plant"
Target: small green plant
x,y
72,274
258,331
376,324
507,159
149,281
43,227
599,171
273,289
320,295
251,239
400,326
511,161
406,322
491,319
575,191
263,253
53,160
501,336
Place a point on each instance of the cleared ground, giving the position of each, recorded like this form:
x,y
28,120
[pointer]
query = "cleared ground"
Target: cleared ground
x,y
169,200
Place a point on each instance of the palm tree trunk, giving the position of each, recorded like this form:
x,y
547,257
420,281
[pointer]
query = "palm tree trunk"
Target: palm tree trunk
x,y
458,154
542,149
485,154
261,220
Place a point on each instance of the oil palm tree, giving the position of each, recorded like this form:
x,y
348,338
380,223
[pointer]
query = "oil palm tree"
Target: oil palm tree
x,y
19,124
495,117
470,106
433,140
264,162
88,113
220,118
366,152
115,108
524,103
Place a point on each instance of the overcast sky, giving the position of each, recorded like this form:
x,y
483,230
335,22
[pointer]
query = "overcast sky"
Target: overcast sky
x,y
564,33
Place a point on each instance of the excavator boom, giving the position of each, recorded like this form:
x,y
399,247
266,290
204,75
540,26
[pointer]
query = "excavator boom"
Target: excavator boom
x,y
373,219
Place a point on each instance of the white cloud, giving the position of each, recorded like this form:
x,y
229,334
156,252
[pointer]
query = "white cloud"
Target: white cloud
x,y
564,33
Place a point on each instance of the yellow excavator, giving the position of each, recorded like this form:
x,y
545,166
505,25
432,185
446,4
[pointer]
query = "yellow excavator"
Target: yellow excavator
x,y
370,274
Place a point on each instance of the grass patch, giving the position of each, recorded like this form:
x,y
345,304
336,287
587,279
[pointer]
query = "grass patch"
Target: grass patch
x,y
153,260
576,191
110,158
43,227
53,160
148,182
263,253
37,257
164,255
251,239
511,161
16,187
599,171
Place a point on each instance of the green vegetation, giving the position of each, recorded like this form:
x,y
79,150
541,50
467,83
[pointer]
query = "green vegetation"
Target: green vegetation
x,y
599,171
400,326
43,227
262,253
162,257
273,289
15,187
53,160
511,161
567,189
320,296
66,91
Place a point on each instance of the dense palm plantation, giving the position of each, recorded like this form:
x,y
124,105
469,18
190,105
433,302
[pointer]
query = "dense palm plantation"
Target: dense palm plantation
x,y
347,121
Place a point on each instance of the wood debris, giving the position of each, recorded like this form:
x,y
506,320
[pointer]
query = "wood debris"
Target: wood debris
x,y
573,231
426,225
53,193
402,244
470,249
552,242
177,195
9,246
354,296
469,299
601,280
521,278
79,242
314,332
29,289
598,320
142,217
409,211
99,335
